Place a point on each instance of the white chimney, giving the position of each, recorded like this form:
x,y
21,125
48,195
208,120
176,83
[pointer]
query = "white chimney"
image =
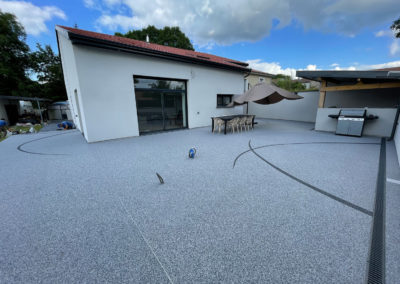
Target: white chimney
x,y
147,39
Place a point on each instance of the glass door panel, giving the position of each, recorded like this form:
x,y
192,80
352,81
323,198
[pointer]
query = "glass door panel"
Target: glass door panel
x,y
150,111
173,110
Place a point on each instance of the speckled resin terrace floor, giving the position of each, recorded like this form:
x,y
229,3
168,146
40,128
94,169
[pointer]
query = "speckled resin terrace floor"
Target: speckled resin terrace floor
x,y
77,212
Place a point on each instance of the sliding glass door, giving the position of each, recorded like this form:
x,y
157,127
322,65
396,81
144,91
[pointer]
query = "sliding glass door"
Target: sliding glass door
x,y
160,103
150,111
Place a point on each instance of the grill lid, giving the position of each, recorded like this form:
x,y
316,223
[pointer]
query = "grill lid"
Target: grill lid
x,y
353,112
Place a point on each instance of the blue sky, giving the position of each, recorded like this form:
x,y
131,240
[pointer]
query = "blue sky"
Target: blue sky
x,y
276,36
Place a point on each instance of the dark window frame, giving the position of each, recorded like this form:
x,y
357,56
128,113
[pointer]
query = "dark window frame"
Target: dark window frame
x,y
185,92
162,79
222,96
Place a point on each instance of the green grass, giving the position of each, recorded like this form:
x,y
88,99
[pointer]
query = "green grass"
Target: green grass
x,y
22,128
25,128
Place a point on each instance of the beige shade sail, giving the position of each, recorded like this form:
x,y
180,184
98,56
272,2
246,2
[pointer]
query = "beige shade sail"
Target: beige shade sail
x,y
264,94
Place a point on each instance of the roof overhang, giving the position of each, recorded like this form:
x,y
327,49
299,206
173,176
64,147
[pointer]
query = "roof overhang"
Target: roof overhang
x,y
79,39
24,98
337,77
260,73
333,81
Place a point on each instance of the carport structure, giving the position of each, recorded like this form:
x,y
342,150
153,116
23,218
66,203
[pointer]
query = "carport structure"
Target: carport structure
x,y
376,90
333,81
9,111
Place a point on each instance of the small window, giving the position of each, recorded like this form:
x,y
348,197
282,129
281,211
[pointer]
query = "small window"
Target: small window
x,y
261,79
223,100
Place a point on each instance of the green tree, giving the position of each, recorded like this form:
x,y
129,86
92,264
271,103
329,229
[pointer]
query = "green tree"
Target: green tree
x,y
396,28
285,82
14,57
171,36
47,67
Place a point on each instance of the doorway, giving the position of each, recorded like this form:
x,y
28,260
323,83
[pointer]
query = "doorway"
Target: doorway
x,y
161,104
12,113
79,110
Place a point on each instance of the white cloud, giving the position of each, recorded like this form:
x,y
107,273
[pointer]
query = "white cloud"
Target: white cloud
x,y
32,17
311,67
381,65
113,22
350,68
112,2
276,68
271,67
384,33
368,66
227,22
395,47
89,3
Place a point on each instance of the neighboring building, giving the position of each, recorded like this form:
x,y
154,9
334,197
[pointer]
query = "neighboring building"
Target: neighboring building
x,y
378,91
309,84
255,77
59,111
13,107
26,107
119,87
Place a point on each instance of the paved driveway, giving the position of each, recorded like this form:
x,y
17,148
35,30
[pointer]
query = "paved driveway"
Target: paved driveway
x,y
77,212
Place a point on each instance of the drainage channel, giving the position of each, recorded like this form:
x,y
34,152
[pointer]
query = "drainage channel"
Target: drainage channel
x,y
376,261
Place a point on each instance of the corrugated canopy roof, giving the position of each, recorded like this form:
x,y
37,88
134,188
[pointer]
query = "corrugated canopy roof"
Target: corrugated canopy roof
x,y
351,76
24,98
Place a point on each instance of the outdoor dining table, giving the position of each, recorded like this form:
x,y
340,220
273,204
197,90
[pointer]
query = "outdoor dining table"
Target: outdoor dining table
x,y
226,118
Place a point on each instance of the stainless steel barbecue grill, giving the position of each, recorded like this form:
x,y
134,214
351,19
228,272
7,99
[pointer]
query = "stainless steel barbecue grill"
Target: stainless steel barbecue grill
x,y
351,121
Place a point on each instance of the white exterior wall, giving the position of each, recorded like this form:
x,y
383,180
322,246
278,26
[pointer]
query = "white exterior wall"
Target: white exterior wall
x,y
397,140
299,110
381,102
376,98
381,127
71,79
107,93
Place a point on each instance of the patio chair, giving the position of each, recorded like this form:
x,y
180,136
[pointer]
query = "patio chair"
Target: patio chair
x,y
242,123
233,123
218,123
249,121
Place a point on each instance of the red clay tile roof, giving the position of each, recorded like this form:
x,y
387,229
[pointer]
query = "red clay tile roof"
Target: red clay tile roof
x,y
388,69
198,56
258,72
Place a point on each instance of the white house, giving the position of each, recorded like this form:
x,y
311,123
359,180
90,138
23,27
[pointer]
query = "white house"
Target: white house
x,y
119,87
